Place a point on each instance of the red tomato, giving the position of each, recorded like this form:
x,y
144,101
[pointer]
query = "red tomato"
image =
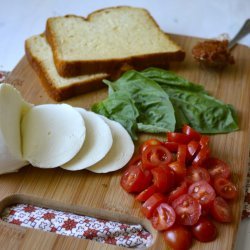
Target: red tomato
x,y
178,137
171,146
195,174
204,141
202,155
150,142
192,133
193,147
163,178
204,230
152,203
221,211
202,191
136,160
225,188
163,217
178,238
217,168
179,170
156,155
135,180
187,209
145,194
182,154
180,190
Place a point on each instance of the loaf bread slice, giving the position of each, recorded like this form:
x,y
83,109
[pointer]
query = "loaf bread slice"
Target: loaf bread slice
x,y
40,57
107,39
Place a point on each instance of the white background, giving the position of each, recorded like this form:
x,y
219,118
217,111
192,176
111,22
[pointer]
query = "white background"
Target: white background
x,y
20,19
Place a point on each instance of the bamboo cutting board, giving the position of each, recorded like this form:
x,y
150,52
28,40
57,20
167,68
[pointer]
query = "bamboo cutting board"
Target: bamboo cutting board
x,y
100,195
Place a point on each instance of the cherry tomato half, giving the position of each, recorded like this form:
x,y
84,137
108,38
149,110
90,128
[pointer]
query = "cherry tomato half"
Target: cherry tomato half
x,y
134,179
187,209
178,191
155,155
182,154
193,148
171,146
217,168
178,237
221,211
163,178
152,203
150,142
204,141
192,133
195,174
178,137
179,170
225,188
163,217
204,230
145,194
202,155
202,191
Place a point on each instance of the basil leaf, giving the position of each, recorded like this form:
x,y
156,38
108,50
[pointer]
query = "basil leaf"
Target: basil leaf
x,y
119,107
156,113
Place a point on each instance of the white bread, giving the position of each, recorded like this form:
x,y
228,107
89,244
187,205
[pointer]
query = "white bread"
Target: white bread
x,y
107,40
40,56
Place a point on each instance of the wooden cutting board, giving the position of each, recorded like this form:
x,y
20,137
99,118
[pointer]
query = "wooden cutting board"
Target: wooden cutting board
x,y
101,195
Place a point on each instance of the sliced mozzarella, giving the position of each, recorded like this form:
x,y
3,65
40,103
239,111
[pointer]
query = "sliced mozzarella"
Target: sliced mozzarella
x,y
12,108
97,143
120,152
52,134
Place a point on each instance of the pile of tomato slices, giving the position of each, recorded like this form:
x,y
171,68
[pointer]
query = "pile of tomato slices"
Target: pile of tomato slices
x,y
183,189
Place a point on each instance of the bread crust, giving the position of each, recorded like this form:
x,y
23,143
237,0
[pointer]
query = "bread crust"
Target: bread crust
x,y
63,93
78,67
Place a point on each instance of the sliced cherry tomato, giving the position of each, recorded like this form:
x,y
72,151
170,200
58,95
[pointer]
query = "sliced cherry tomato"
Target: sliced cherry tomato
x,y
156,155
193,148
134,179
177,192
136,160
178,137
145,194
204,141
171,146
225,188
202,155
178,237
192,133
163,179
204,230
187,209
163,217
202,191
217,168
195,174
179,170
182,154
221,211
150,142
152,203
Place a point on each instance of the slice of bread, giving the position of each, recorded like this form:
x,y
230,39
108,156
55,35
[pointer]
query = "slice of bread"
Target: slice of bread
x,y
39,55
107,39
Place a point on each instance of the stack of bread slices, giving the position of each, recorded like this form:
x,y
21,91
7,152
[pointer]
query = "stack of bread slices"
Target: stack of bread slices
x,y
75,54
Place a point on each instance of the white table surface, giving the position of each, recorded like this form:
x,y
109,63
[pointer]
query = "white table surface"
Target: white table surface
x,y
20,19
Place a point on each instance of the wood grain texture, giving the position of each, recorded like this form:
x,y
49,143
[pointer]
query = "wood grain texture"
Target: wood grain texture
x,y
101,195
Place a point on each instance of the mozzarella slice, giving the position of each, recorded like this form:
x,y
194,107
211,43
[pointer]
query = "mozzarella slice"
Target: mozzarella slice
x,y
12,108
52,134
97,143
120,153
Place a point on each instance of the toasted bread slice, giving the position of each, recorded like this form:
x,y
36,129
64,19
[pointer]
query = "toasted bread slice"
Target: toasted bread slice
x,y
40,56
107,39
